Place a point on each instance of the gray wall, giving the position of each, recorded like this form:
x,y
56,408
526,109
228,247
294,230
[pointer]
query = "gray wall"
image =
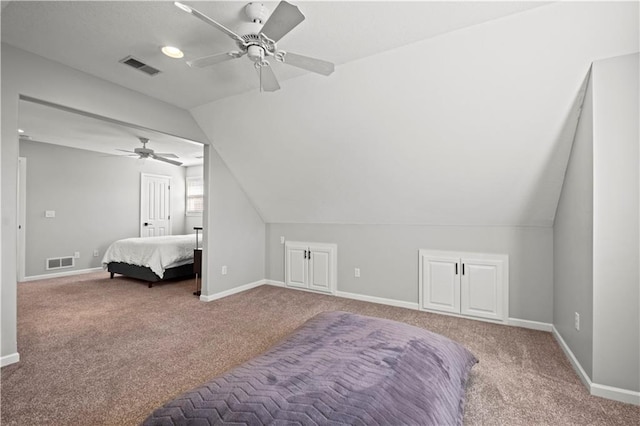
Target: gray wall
x,y
450,130
616,278
596,232
387,256
234,228
96,199
573,243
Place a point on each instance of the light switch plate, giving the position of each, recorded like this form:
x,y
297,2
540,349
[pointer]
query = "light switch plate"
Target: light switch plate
x,y
50,213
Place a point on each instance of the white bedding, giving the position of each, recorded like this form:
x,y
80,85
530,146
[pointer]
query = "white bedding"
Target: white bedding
x,y
155,253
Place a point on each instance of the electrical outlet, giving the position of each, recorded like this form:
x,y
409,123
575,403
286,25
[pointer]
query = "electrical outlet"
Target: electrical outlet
x,y
96,253
356,273
576,320
281,240
224,270
76,255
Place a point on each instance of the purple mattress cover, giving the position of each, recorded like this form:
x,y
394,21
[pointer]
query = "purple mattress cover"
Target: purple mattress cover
x,y
337,368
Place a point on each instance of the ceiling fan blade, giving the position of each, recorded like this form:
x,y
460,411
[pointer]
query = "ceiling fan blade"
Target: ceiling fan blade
x,y
283,19
268,80
307,63
118,156
167,155
124,150
208,20
207,61
166,160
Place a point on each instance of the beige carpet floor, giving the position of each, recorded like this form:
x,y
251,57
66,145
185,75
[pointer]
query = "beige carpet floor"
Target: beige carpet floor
x,y
96,351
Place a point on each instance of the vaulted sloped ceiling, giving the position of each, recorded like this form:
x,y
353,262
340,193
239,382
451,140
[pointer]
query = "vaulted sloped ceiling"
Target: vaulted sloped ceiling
x,y
472,127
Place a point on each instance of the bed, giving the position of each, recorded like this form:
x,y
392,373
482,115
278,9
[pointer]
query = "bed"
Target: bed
x,y
151,259
337,368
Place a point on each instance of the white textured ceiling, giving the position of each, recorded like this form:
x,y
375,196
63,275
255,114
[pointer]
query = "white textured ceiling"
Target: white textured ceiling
x,y
470,128
93,36
457,113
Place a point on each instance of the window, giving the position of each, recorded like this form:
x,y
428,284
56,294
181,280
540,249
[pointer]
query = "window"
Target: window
x,y
195,195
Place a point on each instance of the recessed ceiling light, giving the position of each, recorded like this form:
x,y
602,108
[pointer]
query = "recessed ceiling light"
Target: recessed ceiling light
x,y
172,52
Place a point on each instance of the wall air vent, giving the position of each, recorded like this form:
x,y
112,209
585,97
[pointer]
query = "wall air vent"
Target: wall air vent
x,y
140,66
60,262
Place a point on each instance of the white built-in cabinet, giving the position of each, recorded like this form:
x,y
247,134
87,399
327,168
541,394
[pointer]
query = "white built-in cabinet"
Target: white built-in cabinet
x,y
311,266
470,284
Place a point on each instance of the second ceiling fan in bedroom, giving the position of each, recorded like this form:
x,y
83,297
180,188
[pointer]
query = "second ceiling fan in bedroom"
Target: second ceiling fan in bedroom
x,y
259,42
145,152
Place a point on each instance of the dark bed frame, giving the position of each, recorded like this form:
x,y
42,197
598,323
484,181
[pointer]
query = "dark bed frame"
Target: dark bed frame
x,y
146,274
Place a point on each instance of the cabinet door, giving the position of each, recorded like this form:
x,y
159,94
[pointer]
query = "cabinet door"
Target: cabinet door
x,y
440,283
481,288
321,268
295,269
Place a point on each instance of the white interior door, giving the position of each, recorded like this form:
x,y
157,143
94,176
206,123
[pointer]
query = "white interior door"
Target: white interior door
x,y
440,282
155,205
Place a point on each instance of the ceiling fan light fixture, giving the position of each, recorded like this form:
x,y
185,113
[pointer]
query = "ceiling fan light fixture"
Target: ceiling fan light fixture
x,y
172,52
255,53
20,131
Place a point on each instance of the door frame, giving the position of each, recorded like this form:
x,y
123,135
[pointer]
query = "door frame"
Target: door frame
x,y
144,175
22,218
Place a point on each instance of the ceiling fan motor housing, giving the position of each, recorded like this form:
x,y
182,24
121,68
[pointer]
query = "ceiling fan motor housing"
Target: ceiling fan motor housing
x,y
257,14
144,152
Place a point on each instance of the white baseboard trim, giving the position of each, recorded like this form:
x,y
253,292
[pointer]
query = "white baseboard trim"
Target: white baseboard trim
x,y
9,359
380,300
617,394
596,389
516,322
274,283
584,377
229,292
533,325
61,274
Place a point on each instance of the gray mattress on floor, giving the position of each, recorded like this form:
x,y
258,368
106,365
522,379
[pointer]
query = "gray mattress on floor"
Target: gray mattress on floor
x,y
338,368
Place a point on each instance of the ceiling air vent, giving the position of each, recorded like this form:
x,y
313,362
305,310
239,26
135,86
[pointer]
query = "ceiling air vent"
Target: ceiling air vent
x,y
139,65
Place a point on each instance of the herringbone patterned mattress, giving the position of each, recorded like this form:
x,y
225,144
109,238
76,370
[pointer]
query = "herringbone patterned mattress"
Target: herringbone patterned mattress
x,y
338,368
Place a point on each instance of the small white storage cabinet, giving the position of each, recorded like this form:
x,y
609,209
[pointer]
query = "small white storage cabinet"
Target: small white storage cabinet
x,y
470,284
311,266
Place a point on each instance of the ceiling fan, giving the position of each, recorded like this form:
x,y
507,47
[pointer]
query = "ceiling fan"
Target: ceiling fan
x,y
145,152
259,42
